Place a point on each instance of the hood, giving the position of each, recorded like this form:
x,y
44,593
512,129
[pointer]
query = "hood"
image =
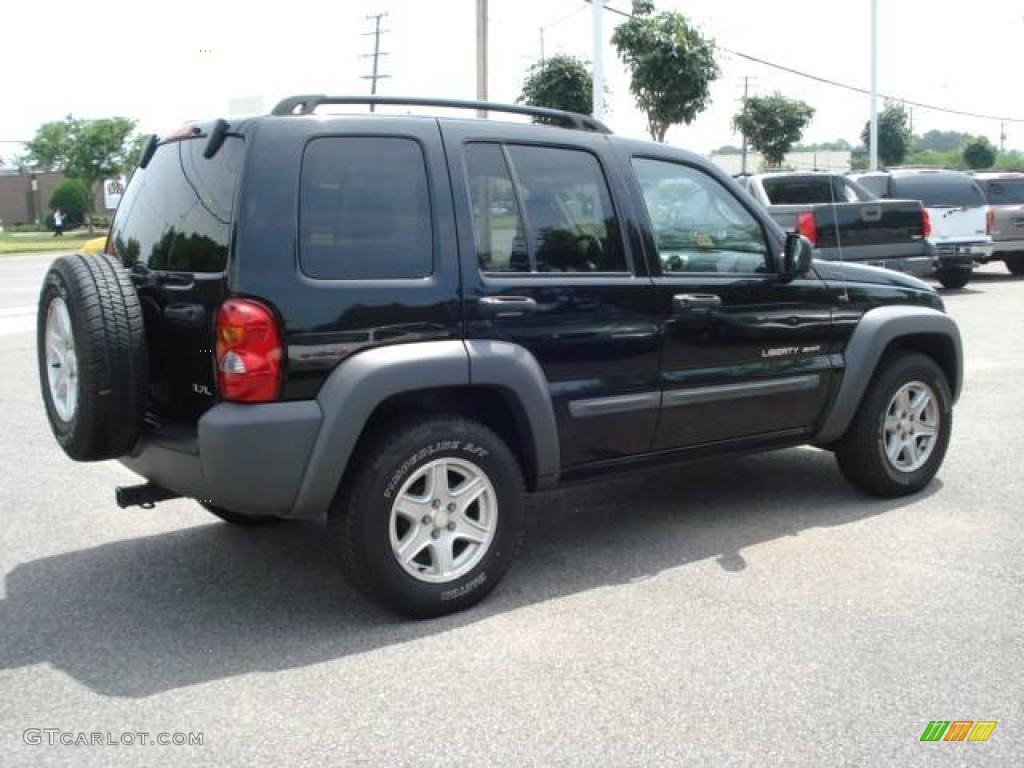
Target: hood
x,y
862,273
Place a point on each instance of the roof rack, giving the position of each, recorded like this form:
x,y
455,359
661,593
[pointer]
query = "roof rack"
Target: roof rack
x,y
306,104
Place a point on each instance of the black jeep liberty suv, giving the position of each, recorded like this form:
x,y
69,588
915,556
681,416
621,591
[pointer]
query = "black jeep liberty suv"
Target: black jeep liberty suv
x,y
401,324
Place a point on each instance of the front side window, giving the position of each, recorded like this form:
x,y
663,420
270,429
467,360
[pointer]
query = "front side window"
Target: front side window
x,y
699,226
364,209
542,209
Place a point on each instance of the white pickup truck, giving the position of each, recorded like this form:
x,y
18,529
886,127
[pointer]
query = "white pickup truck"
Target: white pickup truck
x,y
961,220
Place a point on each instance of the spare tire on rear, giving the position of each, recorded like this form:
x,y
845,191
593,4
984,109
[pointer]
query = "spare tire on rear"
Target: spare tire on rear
x,y
91,348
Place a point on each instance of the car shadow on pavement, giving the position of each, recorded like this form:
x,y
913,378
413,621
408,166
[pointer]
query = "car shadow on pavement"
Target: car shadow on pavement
x,y
136,617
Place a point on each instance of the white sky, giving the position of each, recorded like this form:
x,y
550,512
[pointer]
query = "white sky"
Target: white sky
x,y
144,60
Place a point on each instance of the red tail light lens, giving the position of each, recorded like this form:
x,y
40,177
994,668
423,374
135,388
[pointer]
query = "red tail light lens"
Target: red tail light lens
x,y
248,352
805,226
926,224
990,220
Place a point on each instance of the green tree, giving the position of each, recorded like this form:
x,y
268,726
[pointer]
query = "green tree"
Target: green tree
x,y
90,150
561,82
773,124
979,154
671,66
73,198
940,141
893,134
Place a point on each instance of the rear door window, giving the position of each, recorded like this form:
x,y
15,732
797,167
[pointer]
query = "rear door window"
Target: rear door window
x,y
542,209
176,213
365,209
939,190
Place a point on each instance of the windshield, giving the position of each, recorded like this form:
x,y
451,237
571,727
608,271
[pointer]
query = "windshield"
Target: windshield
x,y
1004,191
939,190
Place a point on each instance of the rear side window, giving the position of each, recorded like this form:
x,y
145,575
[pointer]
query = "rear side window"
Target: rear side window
x,y
176,213
1004,191
939,190
550,211
364,209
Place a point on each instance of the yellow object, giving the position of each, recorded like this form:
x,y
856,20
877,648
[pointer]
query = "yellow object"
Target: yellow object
x,y
96,245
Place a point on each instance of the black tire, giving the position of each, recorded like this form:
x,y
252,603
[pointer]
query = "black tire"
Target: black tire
x,y
861,451
954,277
1015,263
243,521
110,347
361,518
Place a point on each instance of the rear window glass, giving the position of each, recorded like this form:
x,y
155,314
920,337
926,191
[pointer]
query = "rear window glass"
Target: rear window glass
x,y
938,190
807,190
365,209
176,213
1004,191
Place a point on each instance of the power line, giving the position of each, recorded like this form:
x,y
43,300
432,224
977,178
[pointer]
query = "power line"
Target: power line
x,y
846,86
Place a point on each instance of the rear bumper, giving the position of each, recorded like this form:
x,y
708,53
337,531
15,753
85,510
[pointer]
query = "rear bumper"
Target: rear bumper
x,y
249,459
961,255
1002,247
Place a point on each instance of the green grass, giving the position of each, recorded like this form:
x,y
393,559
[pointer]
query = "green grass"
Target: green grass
x,y
41,242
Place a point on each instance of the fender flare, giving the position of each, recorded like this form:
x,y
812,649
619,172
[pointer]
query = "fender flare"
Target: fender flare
x,y
361,383
877,329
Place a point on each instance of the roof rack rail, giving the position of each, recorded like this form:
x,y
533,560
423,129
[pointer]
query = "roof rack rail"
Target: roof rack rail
x,y
306,104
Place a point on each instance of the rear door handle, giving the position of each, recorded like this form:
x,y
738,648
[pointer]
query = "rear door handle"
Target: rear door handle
x,y
507,306
684,303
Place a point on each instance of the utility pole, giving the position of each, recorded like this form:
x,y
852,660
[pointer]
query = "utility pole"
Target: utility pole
x,y
481,54
597,11
1002,136
377,53
873,133
746,91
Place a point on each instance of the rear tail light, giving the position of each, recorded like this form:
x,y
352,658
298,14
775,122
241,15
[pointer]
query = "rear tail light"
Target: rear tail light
x,y
926,224
805,226
248,352
990,220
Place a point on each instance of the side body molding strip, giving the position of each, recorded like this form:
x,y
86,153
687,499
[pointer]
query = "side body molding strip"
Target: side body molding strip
x,y
719,392
875,331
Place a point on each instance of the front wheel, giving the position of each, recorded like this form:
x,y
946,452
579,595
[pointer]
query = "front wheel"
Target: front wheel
x,y
431,516
899,436
956,277
1015,263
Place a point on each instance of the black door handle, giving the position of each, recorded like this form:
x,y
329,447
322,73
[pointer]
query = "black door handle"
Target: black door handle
x,y
506,306
683,303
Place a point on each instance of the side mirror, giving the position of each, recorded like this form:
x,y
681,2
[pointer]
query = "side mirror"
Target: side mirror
x,y
797,255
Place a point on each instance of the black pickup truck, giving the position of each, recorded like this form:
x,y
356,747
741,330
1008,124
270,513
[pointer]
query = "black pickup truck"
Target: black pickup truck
x,y
845,221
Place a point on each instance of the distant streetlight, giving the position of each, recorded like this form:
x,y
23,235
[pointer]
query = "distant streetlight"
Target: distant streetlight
x,y
873,133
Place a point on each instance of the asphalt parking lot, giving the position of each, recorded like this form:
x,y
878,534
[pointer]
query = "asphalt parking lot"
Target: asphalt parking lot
x,y
756,611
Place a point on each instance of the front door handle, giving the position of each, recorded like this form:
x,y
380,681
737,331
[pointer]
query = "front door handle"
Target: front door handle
x,y
686,303
507,306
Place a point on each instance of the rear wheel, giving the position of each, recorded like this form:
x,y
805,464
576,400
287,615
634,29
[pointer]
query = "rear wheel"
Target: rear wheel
x,y
954,277
1015,263
899,436
431,516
